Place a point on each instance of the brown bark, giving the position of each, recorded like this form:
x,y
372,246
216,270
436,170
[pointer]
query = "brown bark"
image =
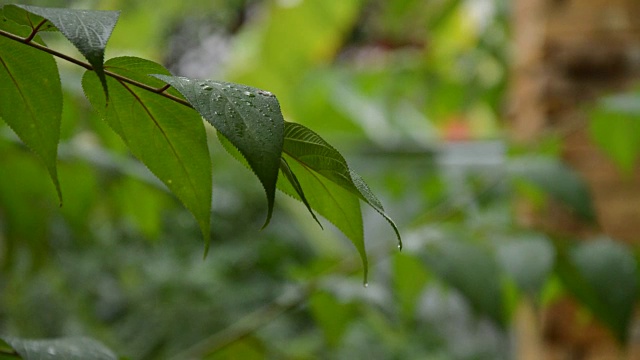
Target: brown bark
x,y
567,53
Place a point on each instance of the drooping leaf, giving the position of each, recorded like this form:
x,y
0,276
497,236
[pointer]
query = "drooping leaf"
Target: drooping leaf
x,y
295,183
169,138
315,153
332,201
603,274
528,261
77,348
248,117
556,179
31,97
470,269
87,30
285,169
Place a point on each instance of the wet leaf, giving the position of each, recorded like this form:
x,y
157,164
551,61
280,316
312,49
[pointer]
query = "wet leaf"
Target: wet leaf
x,y
87,30
249,118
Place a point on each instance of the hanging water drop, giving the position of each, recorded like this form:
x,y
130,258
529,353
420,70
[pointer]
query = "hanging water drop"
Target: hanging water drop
x,y
366,284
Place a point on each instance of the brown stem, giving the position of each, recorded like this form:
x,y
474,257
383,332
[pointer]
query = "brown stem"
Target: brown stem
x,y
27,41
35,30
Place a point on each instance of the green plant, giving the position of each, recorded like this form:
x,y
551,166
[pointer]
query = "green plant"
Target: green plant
x,y
159,117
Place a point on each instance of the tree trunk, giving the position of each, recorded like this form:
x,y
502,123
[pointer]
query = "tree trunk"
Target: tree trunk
x,y
567,53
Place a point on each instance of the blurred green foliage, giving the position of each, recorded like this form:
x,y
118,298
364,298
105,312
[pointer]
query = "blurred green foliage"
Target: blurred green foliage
x,y
387,82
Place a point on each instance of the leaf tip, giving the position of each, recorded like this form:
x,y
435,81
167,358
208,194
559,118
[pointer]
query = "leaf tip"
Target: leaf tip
x,y
207,245
269,215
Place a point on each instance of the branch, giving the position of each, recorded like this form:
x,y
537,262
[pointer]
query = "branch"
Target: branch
x,y
27,41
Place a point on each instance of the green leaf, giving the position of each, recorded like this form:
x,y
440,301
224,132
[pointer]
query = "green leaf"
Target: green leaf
x,y
472,270
615,126
77,348
285,169
31,100
295,183
248,117
528,261
315,153
333,202
87,30
169,138
602,274
556,179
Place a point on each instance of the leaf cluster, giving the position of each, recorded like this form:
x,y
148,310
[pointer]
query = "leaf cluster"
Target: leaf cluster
x,y
159,117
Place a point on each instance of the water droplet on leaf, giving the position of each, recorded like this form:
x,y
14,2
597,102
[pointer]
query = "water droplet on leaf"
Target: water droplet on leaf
x,y
249,94
265,93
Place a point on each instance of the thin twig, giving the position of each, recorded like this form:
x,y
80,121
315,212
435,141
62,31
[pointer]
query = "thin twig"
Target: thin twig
x,y
160,91
35,30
